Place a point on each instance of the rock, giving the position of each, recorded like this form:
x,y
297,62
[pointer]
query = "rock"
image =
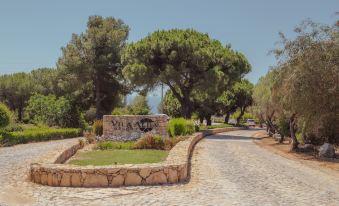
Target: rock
x,y
144,172
156,178
65,180
96,180
132,179
277,137
308,148
327,150
118,181
43,178
172,176
76,180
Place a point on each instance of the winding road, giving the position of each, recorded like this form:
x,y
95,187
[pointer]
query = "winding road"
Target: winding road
x,y
227,169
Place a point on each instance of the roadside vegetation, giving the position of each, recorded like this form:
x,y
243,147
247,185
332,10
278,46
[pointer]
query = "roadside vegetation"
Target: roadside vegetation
x,y
298,98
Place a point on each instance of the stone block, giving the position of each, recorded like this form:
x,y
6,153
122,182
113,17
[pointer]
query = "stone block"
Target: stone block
x,y
132,179
156,178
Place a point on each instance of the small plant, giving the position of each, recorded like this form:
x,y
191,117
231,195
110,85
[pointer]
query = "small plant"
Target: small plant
x,y
150,142
98,127
180,127
81,143
171,142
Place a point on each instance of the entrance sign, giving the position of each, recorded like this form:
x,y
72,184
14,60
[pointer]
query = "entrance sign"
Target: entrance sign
x,y
131,127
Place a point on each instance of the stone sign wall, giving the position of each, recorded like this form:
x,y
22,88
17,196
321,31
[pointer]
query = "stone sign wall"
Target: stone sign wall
x,y
131,127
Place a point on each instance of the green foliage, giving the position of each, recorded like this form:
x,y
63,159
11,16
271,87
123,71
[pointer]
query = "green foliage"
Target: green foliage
x,y
89,68
5,115
37,135
90,115
51,111
172,106
180,127
98,127
283,126
120,111
106,145
15,90
183,60
139,106
150,141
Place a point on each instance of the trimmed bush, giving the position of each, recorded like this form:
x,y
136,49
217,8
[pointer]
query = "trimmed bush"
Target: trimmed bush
x,y
180,127
98,127
37,135
106,145
5,115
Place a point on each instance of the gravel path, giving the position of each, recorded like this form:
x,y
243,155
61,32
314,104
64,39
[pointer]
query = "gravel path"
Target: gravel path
x,y
227,169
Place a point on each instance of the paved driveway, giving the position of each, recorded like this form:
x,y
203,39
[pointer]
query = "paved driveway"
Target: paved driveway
x,y
227,169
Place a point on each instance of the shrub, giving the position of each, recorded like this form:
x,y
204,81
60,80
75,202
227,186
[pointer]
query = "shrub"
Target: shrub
x,y
150,141
13,127
106,145
180,127
121,111
90,115
5,115
52,111
171,142
90,137
38,135
98,127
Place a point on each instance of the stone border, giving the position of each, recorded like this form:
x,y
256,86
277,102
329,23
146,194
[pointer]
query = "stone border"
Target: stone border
x,y
173,170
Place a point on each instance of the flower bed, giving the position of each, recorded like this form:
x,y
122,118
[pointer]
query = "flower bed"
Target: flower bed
x,y
173,170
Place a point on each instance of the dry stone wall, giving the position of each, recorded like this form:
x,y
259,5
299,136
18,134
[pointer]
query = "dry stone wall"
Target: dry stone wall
x,y
173,170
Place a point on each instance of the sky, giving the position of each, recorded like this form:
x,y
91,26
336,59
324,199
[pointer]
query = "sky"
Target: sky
x,y
32,32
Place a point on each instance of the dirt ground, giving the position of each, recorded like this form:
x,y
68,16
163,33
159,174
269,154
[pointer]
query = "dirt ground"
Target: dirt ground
x,y
263,140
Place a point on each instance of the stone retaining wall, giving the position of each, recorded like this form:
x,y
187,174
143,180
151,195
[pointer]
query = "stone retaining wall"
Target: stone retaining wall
x,y
173,170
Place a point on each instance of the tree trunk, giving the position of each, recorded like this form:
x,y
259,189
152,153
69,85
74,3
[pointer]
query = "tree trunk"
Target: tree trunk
x,y
281,139
227,117
242,111
208,120
20,113
98,113
295,143
201,119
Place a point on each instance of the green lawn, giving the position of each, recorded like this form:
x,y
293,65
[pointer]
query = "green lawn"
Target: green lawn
x,y
118,156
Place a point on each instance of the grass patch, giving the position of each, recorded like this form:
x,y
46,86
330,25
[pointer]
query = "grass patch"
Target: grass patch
x,y
111,157
202,127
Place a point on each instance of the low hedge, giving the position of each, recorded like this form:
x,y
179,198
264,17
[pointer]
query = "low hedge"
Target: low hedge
x,y
37,135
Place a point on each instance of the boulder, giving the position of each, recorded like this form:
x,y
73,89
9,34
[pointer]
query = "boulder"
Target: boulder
x,y
308,148
132,179
327,150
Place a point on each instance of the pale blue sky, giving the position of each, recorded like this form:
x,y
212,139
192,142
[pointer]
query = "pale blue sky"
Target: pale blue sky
x,y
32,32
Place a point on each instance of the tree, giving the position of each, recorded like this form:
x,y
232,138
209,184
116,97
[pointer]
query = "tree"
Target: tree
x,y
264,107
182,60
45,80
171,105
90,64
139,106
15,90
227,104
243,91
52,111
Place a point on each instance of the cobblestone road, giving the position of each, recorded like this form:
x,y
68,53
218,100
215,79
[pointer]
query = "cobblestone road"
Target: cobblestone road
x,y
227,169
